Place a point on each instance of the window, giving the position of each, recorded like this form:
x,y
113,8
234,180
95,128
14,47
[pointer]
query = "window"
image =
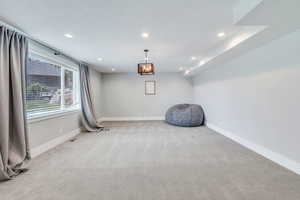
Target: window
x,y
51,87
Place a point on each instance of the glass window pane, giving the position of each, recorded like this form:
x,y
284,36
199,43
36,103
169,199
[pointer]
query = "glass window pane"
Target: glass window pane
x,y
69,88
43,84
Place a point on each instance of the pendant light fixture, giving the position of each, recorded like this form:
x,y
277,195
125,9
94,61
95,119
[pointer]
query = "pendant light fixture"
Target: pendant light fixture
x,y
146,68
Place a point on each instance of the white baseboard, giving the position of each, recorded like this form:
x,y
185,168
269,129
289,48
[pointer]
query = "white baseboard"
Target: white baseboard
x,y
53,143
130,119
275,157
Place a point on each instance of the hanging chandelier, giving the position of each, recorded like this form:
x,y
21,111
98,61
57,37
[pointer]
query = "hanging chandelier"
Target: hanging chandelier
x,y
146,68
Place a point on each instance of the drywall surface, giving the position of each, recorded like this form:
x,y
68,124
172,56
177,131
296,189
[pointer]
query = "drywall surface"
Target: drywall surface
x,y
256,96
124,94
41,132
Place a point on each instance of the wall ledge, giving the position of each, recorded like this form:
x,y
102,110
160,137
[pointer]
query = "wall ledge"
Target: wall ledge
x,y
53,115
273,156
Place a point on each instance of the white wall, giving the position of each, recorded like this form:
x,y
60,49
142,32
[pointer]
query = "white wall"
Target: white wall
x,y
123,94
256,96
41,132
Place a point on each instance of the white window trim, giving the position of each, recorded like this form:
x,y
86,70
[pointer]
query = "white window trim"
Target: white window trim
x,y
51,114
53,60
40,116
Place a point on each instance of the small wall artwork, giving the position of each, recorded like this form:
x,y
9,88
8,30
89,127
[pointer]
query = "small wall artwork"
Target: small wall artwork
x,y
150,88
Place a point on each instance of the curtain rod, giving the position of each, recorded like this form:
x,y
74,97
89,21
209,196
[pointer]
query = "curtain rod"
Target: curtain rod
x,y
56,51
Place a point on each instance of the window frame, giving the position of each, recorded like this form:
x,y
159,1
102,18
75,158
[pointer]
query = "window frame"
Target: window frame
x,y
38,116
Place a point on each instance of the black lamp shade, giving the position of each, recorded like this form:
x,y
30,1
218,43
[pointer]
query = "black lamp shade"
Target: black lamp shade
x,y
146,68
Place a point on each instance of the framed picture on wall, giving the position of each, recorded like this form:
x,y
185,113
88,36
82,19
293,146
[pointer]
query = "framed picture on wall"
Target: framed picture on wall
x,y
150,88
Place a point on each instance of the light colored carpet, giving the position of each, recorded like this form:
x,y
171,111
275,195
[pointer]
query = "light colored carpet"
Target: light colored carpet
x,y
152,160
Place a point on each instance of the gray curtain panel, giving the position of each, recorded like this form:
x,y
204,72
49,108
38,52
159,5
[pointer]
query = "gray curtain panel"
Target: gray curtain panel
x,y
88,115
14,150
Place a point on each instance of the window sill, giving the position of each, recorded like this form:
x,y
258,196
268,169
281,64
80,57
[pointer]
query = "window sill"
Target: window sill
x,y
45,116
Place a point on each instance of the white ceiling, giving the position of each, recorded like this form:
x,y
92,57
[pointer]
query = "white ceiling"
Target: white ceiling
x,y
111,29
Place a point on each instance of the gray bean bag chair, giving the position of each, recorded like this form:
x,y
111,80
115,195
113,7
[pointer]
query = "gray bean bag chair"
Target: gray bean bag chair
x,y
187,115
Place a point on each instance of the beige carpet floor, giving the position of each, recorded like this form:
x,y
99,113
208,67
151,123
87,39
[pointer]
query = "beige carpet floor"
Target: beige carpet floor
x,y
152,160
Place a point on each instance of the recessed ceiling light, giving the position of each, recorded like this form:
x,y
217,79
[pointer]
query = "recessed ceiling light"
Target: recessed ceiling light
x,y
201,62
113,69
187,72
193,58
68,35
145,35
222,34
100,59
